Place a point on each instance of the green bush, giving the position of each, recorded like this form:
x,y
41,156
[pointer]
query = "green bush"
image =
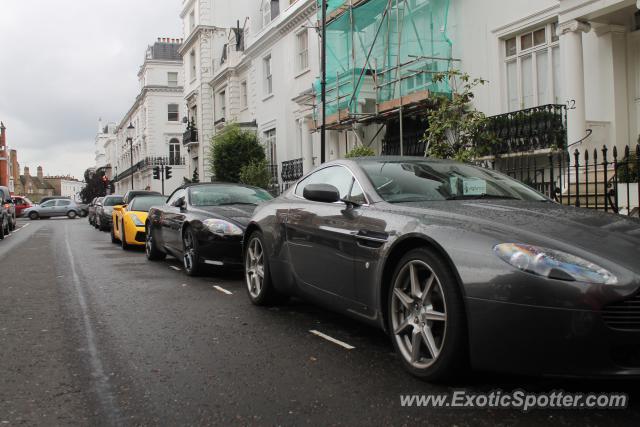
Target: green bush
x,y
231,150
256,173
360,151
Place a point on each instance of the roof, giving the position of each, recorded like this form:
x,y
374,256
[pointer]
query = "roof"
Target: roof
x,y
36,182
164,51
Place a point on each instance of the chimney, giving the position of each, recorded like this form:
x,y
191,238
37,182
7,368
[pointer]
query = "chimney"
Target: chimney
x,y
40,176
26,172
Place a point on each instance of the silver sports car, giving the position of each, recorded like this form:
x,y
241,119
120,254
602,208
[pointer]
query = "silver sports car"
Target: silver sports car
x,y
459,264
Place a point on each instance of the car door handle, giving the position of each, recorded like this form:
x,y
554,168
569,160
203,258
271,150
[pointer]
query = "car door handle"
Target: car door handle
x,y
370,236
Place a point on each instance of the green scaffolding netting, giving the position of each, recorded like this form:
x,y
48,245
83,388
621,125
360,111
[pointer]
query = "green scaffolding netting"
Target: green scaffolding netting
x,y
384,50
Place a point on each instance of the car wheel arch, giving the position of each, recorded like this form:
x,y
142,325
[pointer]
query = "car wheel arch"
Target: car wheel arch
x,y
394,256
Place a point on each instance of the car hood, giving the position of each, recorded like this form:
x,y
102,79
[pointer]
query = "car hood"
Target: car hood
x,y
610,236
240,214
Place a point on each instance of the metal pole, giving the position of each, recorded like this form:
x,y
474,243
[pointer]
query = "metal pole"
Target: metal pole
x,y
131,154
163,172
323,83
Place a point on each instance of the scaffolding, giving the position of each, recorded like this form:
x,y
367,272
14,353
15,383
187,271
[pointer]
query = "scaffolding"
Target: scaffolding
x,y
381,56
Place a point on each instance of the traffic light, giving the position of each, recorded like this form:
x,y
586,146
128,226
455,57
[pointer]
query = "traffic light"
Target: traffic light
x,y
167,172
156,172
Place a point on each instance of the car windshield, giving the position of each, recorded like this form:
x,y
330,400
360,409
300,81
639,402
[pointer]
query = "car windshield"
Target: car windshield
x,y
144,203
112,201
424,180
218,195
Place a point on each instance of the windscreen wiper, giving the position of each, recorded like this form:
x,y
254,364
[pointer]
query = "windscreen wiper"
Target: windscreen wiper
x,y
482,196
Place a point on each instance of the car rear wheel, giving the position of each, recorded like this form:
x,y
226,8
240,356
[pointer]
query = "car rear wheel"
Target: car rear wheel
x,y
256,269
426,317
3,228
150,249
33,215
123,239
191,256
72,214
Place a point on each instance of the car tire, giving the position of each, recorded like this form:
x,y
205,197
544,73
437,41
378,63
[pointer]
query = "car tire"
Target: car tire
x,y
72,214
426,317
123,239
150,249
2,229
33,216
114,240
257,276
190,256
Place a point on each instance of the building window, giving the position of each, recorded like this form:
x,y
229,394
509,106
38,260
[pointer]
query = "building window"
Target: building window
x,y
173,112
174,152
192,64
270,146
244,96
222,104
172,79
192,20
302,50
270,10
268,78
532,67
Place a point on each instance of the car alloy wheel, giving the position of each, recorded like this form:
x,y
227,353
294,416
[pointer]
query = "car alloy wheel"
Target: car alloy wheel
x,y
71,214
123,239
191,258
33,215
150,249
254,268
419,314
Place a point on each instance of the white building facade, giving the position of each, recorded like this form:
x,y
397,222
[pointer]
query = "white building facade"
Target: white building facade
x,y
156,118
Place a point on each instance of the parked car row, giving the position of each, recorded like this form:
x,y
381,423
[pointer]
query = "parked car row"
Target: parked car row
x,y
7,213
461,266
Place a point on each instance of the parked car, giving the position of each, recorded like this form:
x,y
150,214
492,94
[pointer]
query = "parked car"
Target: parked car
x,y
129,195
7,213
21,204
202,224
47,198
104,210
53,208
458,263
128,220
91,210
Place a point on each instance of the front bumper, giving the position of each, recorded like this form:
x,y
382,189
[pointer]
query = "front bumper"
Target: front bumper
x,y
535,340
220,250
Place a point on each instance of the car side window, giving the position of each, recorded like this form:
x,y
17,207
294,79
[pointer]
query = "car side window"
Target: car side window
x,y
48,203
357,194
177,195
63,203
338,176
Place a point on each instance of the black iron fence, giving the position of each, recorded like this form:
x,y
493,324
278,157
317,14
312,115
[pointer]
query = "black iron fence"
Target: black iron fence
x,y
603,179
150,162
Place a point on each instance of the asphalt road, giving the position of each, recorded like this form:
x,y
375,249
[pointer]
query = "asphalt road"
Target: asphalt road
x,y
91,334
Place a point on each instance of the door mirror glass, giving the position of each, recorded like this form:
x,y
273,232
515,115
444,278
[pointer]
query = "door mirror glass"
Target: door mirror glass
x,y
180,203
325,193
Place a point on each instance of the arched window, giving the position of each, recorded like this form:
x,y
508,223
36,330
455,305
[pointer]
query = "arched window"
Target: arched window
x,y
174,152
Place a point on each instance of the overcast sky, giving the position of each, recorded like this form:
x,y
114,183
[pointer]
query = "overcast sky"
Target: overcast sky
x,y
66,63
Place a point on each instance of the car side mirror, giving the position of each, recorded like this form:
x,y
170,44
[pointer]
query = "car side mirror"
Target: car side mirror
x,y
324,193
180,203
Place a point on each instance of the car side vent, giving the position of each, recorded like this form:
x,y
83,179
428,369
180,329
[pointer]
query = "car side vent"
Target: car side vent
x,y
624,315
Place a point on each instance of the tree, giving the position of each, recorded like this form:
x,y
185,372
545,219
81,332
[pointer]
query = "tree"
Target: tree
x,y
360,151
257,174
95,185
456,129
231,150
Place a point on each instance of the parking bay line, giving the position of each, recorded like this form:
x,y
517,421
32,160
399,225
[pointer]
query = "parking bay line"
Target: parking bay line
x,y
175,268
223,290
331,339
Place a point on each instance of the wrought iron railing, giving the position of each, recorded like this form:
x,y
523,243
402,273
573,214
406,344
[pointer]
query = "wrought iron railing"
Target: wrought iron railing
x,y
292,170
190,135
150,162
529,130
602,179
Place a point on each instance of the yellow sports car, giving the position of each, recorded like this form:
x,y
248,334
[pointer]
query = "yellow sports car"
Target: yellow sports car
x,y
128,220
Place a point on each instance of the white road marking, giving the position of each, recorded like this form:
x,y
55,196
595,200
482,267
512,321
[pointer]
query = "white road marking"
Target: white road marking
x,y
331,339
175,268
223,290
18,229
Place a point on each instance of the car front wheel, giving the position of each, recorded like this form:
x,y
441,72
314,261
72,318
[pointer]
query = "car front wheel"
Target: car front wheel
x,y
123,239
256,269
33,215
426,317
191,256
150,248
72,214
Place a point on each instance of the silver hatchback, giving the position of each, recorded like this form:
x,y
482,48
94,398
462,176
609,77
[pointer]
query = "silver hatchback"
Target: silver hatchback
x,y
51,208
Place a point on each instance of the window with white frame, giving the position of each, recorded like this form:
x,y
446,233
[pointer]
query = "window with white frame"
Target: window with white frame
x,y
174,152
192,20
302,50
270,146
222,104
192,64
173,114
270,10
532,68
244,96
268,77
172,79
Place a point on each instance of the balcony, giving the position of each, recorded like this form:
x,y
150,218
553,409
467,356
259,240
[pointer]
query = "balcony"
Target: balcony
x,y
529,130
190,136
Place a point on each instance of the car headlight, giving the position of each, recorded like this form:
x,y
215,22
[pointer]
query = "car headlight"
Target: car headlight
x,y
137,221
553,264
222,227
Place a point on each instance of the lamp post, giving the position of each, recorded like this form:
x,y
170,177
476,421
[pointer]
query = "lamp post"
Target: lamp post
x,y
130,133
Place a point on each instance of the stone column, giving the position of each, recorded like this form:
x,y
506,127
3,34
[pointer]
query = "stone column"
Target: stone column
x,y
570,34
